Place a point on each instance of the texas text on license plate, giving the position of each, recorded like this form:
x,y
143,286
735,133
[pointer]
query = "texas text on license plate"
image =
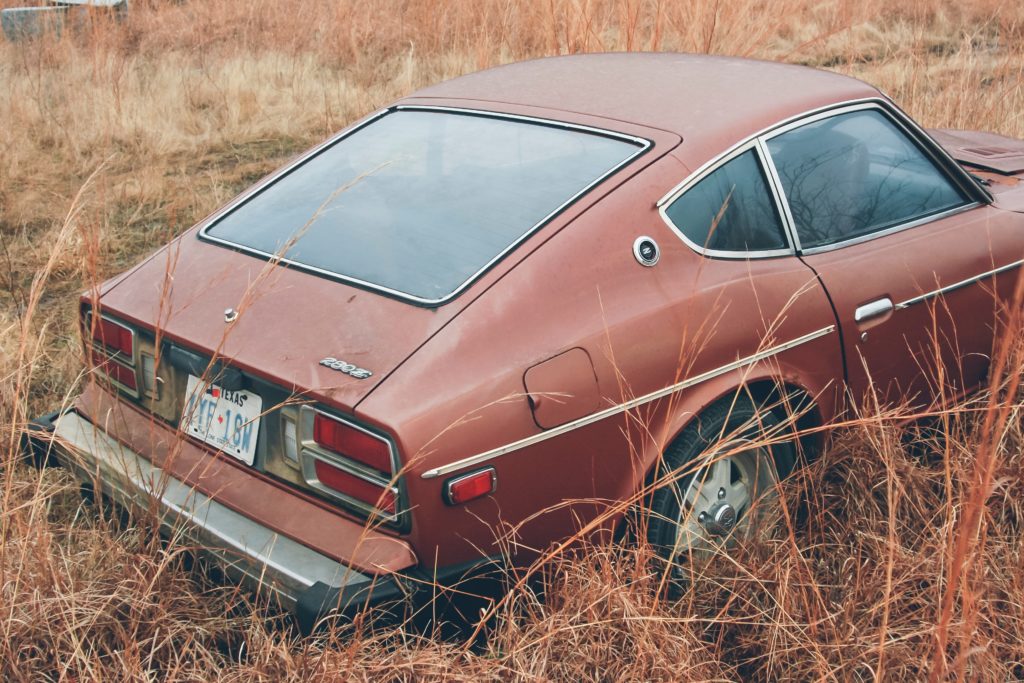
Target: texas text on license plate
x,y
227,420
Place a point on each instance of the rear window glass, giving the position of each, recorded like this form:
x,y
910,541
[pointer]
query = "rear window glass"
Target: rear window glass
x,y
420,202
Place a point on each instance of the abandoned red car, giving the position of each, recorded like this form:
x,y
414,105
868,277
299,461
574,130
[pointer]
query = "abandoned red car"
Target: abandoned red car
x,y
471,324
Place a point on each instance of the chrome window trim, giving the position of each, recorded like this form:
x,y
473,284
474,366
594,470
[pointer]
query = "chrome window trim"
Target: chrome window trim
x,y
628,405
957,285
943,159
780,195
899,227
664,204
916,137
309,451
273,177
551,123
945,163
643,145
718,159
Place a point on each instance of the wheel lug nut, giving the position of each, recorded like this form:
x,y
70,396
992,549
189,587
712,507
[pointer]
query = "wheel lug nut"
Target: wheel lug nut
x,y
721,494
702,517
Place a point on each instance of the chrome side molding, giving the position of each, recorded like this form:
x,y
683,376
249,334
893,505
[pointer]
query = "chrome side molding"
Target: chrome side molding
x,y
628,405
957,285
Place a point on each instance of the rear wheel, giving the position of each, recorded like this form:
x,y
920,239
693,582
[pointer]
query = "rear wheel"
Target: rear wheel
x,y
720,481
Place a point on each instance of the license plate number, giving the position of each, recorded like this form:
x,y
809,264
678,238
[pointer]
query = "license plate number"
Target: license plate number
x,y
227,420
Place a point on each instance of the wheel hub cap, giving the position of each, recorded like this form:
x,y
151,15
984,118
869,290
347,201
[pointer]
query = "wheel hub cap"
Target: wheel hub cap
x,y
717,502
721,520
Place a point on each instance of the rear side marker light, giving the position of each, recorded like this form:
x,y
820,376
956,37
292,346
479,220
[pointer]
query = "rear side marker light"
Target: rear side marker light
x,y
352,443
470,486
356,487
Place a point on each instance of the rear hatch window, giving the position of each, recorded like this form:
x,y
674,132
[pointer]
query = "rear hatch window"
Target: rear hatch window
x,y
419,202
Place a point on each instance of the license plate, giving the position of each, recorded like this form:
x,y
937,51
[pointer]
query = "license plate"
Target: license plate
x,y
227,420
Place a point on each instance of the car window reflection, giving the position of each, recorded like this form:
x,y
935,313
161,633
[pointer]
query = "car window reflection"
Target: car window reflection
x,y
854,174
730,210
419,202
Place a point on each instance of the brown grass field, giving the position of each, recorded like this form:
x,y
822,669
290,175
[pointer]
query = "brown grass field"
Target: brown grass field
x,y
903,558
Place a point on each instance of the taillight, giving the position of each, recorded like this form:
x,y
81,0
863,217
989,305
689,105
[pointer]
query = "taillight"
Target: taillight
x,y
344,482
112,350
348,463
117,372
352,443
114,337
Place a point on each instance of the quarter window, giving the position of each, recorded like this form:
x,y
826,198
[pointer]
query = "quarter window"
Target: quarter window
x,y
730,210
854,174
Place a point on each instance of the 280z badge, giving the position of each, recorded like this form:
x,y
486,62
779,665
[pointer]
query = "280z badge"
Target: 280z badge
x,y
346,367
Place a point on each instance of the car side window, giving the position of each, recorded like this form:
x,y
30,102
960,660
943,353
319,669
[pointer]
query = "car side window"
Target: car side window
x,y
854,174
731,209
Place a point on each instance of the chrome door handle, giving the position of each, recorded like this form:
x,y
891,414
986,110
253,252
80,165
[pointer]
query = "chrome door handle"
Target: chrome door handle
x,y
874,309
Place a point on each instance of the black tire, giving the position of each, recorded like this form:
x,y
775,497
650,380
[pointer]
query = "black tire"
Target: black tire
x,y
726,422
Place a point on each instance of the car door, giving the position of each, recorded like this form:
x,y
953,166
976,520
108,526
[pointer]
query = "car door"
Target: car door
x,y
912,256
750,297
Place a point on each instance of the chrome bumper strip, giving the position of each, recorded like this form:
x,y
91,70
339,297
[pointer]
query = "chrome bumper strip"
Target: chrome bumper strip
x,y
245,549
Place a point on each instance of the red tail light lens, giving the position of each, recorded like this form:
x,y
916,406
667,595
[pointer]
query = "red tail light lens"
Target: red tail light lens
x,y
348,463
114,337
470,486
114,353
352,443
372,494
118,372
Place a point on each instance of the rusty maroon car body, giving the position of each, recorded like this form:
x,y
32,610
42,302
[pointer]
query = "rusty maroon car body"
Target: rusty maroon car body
x,y
554,377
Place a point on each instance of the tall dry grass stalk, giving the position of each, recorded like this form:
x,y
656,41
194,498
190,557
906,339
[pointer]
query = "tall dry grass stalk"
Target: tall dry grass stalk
x,y
899,553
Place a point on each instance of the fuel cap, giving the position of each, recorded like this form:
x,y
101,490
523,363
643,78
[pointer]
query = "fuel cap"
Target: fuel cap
x,y
646,251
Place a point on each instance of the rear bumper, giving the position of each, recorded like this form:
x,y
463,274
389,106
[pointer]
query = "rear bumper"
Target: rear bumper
x,y
301,579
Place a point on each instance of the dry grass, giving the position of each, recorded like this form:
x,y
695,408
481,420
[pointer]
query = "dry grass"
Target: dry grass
x,y
897,562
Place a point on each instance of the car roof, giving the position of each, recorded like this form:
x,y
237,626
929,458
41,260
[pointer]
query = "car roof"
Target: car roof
x,y
711,102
